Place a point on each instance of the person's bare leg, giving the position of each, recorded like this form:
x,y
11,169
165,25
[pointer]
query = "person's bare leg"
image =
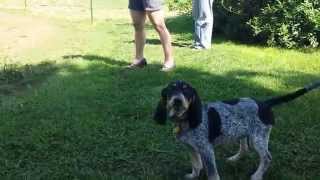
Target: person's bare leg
x,y
138,21
157,19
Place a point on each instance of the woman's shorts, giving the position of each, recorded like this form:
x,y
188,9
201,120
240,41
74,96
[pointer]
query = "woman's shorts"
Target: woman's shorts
x,y
145,5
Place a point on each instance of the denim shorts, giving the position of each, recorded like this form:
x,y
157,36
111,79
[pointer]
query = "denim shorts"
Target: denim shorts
x,y
145,5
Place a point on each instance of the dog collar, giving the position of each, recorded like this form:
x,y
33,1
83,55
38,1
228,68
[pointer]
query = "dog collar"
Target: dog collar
x,y
176,130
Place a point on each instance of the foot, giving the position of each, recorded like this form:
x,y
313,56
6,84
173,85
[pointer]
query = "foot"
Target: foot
x,y
198,48
256,177
168,66
141,63
195,173
190,176
234,158
214,177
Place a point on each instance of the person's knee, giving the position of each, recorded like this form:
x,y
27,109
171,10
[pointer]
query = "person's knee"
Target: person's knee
x,y
160,27
138,26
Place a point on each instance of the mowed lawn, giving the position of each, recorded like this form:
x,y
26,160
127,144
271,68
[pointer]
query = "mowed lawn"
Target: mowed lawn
x,y
69,110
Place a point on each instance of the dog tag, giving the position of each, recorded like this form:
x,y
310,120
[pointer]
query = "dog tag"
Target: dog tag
x,y
176,129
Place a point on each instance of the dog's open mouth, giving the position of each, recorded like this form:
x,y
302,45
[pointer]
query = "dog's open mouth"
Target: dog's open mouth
x,y
177,115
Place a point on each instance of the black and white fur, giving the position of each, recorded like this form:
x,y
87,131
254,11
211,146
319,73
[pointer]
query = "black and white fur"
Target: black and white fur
x,y
243,120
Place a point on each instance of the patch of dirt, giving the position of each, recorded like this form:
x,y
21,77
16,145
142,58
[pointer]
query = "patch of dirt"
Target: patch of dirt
x,y
19,33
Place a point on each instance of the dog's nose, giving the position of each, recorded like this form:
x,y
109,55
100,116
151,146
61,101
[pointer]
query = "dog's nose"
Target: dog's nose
x,y
177,102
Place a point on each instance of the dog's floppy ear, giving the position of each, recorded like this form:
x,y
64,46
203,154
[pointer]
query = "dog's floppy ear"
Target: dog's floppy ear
x,y
195,111
160,116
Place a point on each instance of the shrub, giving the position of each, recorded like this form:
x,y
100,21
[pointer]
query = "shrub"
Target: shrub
x,y
231,16
182,6
289,23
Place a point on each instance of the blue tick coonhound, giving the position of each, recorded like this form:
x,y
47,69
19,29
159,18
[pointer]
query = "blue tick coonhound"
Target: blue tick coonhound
x,y
244,120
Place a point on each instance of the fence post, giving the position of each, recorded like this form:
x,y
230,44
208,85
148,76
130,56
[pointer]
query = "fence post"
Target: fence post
x,y
25,4
91,9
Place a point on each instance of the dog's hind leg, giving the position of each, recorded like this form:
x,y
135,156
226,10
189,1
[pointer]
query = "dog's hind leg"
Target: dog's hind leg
x,y
260,144
243,148
196,165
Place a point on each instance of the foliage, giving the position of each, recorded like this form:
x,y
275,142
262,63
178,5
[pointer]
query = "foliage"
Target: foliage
x,y
183,6
231,16
289,23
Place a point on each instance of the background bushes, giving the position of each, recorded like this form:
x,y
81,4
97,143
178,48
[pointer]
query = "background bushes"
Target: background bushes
x,y
183,6
289,23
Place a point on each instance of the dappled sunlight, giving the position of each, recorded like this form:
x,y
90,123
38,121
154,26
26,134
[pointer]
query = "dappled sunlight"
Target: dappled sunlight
x,y
91,101
70,109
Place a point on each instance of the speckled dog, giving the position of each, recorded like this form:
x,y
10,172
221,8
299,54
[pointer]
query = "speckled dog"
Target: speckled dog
x,y
243,120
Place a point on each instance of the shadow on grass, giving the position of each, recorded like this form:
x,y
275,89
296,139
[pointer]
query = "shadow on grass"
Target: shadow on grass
x,y
96,58
180,24
158,42
94,120
183,26
15,79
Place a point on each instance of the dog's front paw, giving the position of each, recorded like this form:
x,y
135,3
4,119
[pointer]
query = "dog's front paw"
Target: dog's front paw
x,y
215,177
191,176
256,177
233,158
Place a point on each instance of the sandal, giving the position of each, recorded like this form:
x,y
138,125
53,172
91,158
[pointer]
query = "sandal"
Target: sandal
x,y
139,64
166,68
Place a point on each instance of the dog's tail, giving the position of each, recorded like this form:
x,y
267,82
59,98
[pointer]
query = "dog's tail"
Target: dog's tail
x,y
291,96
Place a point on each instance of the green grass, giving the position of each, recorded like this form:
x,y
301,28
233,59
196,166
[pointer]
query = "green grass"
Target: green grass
x,y
74,113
